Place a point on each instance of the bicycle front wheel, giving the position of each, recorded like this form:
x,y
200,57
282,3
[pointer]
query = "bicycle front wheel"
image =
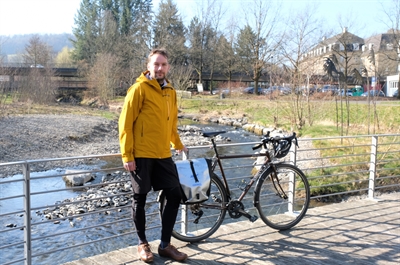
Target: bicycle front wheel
x,y
196,222
282,197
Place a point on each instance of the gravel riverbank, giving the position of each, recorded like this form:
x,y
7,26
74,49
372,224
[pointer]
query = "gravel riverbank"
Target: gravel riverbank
x,y
30,137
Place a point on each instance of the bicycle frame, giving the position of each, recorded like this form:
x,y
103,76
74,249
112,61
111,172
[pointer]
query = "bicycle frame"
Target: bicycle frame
x,y
271,200
217,161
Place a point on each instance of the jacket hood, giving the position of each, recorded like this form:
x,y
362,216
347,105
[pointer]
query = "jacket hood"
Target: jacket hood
x,y
146,78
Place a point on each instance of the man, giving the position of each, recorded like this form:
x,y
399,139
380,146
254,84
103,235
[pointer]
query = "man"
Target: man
x,y
147,129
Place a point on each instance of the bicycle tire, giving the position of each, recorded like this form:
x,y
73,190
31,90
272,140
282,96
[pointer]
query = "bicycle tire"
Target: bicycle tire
x,y
214,210
277,212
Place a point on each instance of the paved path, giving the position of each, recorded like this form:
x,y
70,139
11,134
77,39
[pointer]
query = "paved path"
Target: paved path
x,y
357,232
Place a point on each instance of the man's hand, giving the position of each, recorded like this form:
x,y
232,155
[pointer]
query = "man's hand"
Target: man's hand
x,y
130,166
184,149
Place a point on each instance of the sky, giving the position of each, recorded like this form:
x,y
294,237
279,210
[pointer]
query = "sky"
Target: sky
x,y
57,16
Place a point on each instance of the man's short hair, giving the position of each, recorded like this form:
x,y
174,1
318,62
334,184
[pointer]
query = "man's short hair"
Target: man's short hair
x,y
161,51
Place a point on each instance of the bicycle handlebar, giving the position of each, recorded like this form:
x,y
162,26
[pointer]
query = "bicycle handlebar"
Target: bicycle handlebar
x,y
264,140
269,139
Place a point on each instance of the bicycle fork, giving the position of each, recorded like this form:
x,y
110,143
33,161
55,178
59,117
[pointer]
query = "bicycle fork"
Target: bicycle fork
x,y
277,185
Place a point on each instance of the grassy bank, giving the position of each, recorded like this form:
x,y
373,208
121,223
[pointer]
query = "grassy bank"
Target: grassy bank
x,y
322,117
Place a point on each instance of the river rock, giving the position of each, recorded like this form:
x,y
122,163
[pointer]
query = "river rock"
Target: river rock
x,y
76,177
249,127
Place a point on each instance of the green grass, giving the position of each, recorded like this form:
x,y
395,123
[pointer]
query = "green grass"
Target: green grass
x,y
320,116
353,156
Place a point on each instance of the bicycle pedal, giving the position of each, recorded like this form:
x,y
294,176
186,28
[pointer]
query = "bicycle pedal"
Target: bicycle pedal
x,y
253,218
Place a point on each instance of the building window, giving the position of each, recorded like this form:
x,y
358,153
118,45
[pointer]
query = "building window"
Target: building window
x,y
349,47
389,46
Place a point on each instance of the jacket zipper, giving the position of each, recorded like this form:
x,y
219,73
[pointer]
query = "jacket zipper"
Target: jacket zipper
x,y
168,109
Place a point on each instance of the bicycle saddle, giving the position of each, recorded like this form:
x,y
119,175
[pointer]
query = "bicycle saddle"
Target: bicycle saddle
x,y
212,134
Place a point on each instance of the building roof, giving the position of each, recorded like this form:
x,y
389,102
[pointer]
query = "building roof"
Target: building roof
x,y
382,42
343,37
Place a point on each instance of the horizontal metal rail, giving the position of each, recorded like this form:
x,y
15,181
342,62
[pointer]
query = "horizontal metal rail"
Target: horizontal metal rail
x,y
30,217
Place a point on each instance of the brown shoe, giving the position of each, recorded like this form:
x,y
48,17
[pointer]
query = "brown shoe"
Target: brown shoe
x,y
144,252
171,252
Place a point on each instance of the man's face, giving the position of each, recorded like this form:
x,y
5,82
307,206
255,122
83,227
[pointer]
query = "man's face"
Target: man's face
x,y
158,67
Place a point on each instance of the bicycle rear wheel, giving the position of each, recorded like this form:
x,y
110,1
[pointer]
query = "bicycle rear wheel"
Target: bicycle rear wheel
x,y
196,222
283,201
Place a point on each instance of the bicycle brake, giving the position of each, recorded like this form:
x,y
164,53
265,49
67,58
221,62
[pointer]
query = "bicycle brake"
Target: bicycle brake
x,y
282,196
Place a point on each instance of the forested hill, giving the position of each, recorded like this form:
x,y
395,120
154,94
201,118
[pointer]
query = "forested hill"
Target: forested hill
x,y
16,43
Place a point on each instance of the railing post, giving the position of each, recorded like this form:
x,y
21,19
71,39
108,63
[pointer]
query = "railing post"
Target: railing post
x,y
185,155
184,208
27,214
293,154
292,185
372,167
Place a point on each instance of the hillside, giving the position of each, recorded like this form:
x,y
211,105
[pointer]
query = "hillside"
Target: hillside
x,y
16,44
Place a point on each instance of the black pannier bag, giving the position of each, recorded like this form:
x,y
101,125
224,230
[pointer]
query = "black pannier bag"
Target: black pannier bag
x,y
194,176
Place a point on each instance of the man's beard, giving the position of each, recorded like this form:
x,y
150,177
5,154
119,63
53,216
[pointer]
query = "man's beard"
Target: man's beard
x,y
160,79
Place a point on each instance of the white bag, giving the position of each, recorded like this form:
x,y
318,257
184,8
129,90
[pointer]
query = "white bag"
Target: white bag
x,y
194,176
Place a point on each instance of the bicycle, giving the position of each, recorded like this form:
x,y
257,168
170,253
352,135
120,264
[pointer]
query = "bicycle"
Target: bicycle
x,y
281,194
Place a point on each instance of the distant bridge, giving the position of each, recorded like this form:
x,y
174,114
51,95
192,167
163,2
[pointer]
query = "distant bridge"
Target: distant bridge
x,y
69,73
16,71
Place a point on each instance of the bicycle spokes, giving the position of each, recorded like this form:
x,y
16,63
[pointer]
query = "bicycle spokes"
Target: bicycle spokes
x,y
282,196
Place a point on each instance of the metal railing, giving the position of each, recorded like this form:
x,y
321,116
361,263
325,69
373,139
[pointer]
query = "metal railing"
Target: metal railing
x,y
44,221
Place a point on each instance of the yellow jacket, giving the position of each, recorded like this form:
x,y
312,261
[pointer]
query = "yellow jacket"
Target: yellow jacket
x,y
148,121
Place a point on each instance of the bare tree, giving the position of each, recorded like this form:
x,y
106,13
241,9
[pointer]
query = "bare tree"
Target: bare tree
x,y
6,88
180,76
214,12
37,53
371,59
330,69
302,28
259,40
2,56
228,61
103,78
203,36
37,87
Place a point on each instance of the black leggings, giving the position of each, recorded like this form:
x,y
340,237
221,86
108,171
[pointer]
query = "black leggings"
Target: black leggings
x,y
173,196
